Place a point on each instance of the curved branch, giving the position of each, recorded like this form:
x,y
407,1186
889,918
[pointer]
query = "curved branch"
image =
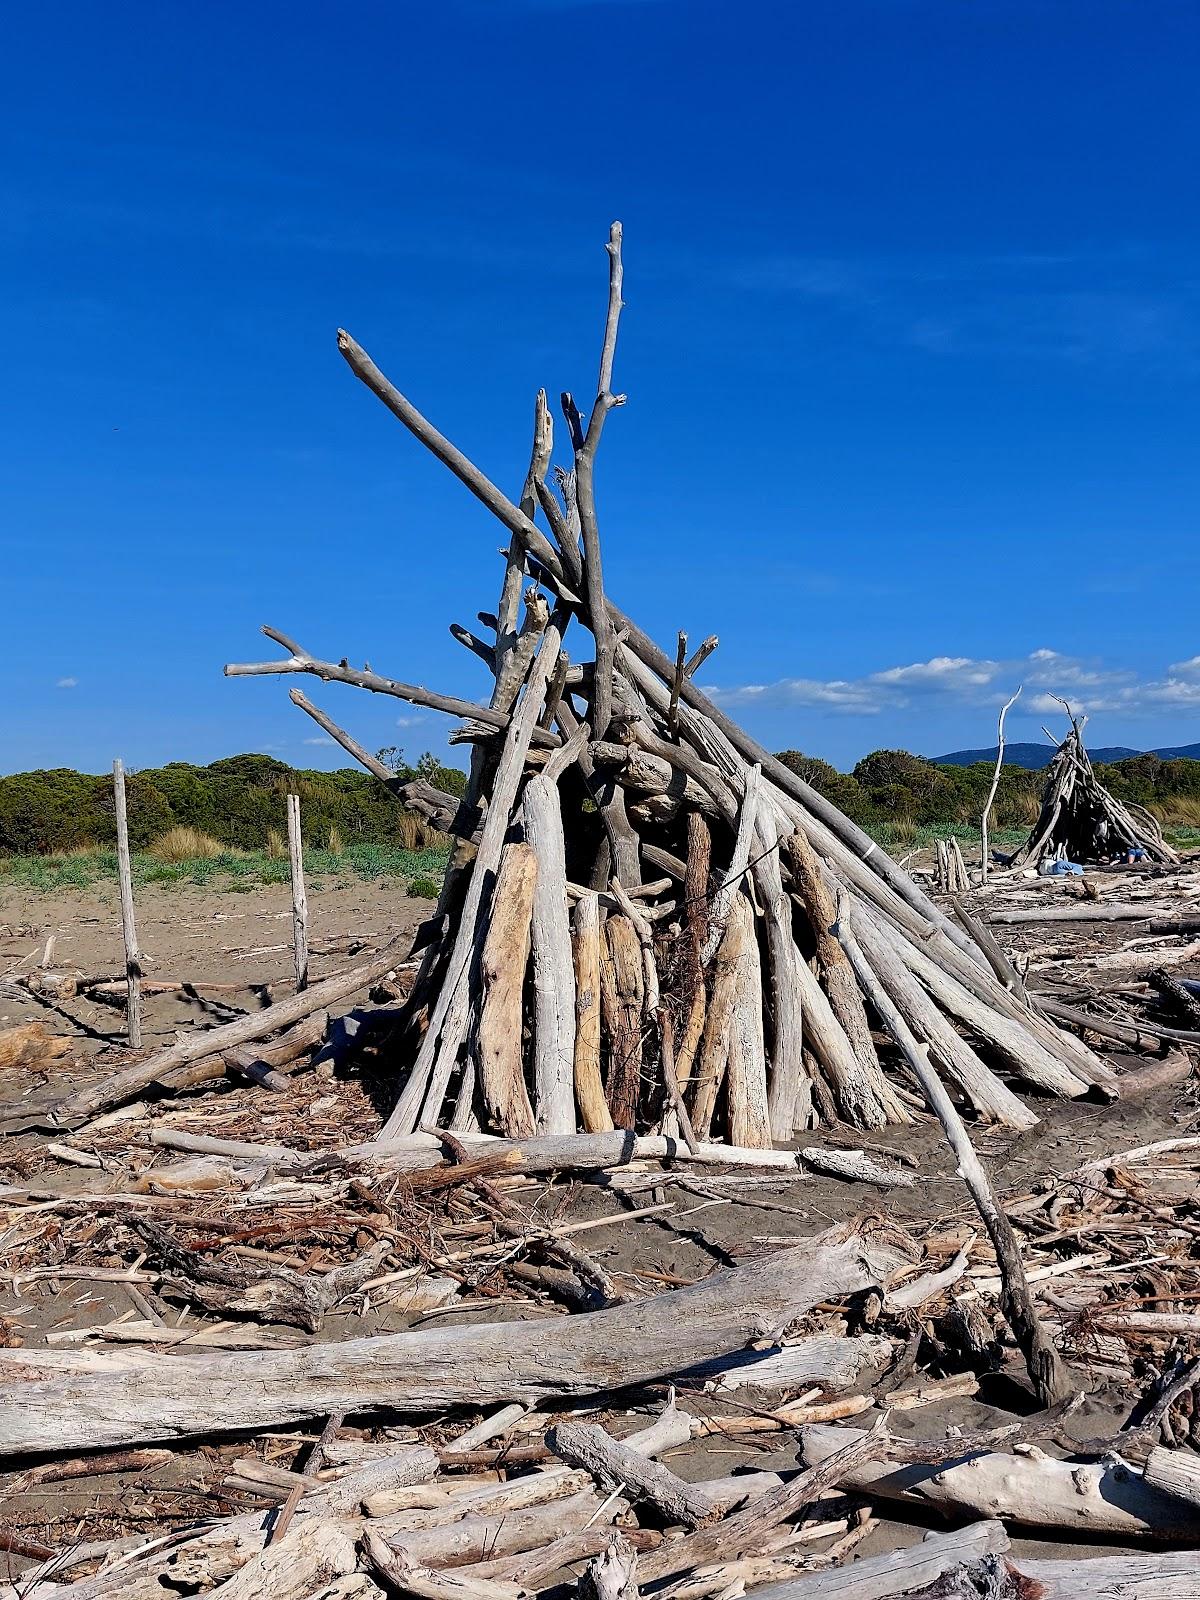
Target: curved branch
x,y
983,821
437,806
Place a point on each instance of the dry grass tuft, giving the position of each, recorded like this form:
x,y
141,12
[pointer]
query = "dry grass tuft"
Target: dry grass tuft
x,y
186,844
335,844
276,847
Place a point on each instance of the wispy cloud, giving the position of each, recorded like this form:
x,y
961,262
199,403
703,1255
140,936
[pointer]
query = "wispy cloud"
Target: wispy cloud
x,y
318,739
411,722
67,683
1104,307
1090,686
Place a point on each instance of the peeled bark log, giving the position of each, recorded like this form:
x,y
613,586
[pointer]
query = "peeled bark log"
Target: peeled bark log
x,y
898,1572
622,986
790,1096
1032,1490
30,1045
863,1094
83,1399
502,971
586,1445
589,1086
718,1025
746,1068
553,976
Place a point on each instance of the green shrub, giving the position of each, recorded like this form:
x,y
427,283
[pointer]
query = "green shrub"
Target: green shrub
x,y
236,801
423,889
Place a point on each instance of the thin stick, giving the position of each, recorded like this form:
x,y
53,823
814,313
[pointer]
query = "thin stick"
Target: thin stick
x,y
585,499
667,1035
133,960
312,1466
299,897
700,655
677,684
1050,1380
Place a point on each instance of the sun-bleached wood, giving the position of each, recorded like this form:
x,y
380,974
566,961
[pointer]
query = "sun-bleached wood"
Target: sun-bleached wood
x,y
133,959
790,1094
746,1063
622,990
718,1023
857,1080
502,974
83,1399
585,949
553,972
299,893
424,1092
209,1042
1031,1489
1049,1377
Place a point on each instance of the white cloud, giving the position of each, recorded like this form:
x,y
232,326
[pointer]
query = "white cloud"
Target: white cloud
x,y
318,739
67,683
1090,686
411,722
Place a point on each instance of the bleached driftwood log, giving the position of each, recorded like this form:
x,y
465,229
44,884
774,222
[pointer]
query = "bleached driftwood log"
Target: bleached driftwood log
x,y
1031,1490
553,974
57,1400
622,988
502,969
585,950
86,1101
898,1572
614,1465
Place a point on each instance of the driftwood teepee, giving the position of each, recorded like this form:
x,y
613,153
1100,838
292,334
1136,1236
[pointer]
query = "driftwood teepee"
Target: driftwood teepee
x,y
648,920
1081,820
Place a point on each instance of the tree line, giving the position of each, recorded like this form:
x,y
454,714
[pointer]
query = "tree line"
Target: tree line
x,y
239,801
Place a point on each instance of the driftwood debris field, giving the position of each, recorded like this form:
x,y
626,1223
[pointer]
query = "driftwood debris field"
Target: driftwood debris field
x,y
691,1204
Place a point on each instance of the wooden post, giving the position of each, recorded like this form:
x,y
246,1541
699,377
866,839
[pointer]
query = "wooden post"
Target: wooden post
x,y
299,897
133,960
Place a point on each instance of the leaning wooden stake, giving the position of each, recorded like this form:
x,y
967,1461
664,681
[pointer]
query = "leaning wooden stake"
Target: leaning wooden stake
x,y
299,896
1050,1379
133,960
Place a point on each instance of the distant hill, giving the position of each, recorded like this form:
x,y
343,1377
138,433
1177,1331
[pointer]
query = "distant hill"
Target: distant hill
x,y
1035,756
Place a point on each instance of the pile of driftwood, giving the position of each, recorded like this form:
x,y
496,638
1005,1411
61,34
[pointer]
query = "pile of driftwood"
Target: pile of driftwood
x,y
536,1456
649,922
1081,821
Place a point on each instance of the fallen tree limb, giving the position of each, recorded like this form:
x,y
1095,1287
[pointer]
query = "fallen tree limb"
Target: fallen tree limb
x,y
57,1400
85,1102
1030,1489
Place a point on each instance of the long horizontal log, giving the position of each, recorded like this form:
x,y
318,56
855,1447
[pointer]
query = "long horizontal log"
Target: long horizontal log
x,y
58,1400
85,1102
1088,911
896,1572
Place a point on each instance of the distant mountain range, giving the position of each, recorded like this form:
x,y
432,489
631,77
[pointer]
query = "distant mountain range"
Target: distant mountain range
x,y
1036,756
1039,756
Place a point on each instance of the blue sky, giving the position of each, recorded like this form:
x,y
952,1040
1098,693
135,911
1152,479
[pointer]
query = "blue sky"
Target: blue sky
x,y
912,350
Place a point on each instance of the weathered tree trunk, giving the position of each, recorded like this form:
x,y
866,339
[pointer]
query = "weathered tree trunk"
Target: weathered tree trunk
x,y
622,988
746,1069
81,1399
502,971
589,1086
553,975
